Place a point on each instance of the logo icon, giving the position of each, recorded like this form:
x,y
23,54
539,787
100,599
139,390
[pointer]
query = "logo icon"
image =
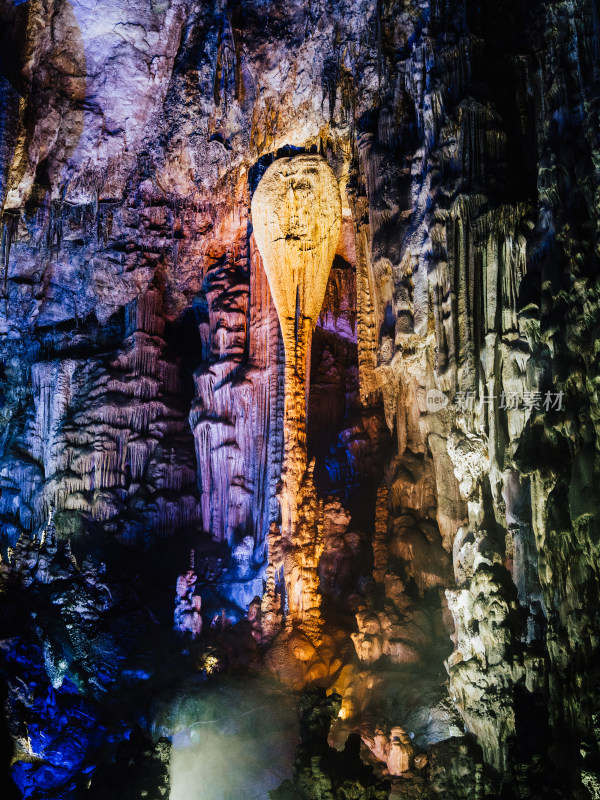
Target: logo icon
x,y
436,400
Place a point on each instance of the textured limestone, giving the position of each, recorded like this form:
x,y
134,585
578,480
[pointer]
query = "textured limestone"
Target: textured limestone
x,y
320,770
296,216
143,368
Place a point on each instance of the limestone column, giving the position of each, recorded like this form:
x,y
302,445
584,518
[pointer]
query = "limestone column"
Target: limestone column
x,y
296,216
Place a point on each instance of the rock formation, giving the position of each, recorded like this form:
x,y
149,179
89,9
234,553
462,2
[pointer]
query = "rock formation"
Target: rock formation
x,y
311,288
296,216
321,771
188,605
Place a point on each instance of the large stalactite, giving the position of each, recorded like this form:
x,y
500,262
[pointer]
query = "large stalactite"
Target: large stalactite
x,y
296,215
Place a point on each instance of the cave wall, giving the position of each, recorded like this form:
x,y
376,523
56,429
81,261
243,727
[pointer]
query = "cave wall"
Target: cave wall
x,y
142,358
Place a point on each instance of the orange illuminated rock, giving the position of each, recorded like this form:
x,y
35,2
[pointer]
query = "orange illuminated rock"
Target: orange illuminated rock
x,y
296,216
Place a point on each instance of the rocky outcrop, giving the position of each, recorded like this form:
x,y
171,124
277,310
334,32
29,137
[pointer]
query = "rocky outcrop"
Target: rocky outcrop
x,y
320,769
140,769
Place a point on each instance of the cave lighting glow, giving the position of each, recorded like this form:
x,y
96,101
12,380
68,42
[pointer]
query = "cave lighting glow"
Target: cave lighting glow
x,y
232,745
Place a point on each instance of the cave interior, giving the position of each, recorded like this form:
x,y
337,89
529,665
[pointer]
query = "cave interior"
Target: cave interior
x,y
300,399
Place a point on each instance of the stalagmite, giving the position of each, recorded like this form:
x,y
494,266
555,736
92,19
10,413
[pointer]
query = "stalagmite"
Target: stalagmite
x,y
296,215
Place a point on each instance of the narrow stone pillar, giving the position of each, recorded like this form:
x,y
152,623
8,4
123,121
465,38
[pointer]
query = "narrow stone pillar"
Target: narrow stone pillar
x,y
296,216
